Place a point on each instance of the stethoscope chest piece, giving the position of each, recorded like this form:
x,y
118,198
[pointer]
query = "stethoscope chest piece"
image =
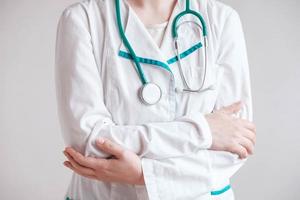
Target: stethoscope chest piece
x,y
150,93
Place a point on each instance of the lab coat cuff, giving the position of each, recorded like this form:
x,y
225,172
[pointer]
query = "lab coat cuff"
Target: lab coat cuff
x,y
150,179
204,129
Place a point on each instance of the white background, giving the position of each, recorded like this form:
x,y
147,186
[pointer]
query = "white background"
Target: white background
x,y
30,141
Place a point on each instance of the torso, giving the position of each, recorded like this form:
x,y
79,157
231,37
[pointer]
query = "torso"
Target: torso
x,y
121,81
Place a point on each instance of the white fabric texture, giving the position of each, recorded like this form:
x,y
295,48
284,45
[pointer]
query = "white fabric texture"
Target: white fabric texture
x,y
157,31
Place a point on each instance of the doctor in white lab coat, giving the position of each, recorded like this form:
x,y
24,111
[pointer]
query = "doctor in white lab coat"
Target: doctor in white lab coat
x,y
185,147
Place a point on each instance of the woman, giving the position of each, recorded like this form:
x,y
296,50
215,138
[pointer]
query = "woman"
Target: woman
x,y
134,126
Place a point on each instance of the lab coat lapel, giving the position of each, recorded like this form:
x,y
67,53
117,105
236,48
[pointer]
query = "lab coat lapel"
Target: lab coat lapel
x,y
140,40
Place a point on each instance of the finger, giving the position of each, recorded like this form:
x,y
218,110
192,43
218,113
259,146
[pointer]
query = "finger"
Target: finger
x,y
240,150
89,162
247,124
250,135
78,167
69,165
248,145
233,108
110,147
98,164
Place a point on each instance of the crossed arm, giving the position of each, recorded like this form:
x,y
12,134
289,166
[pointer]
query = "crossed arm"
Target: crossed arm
x,y
125,166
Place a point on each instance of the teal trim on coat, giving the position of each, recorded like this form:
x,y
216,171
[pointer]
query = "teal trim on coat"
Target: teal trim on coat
x,y
185,53
145,60
159,63
218,192
213,193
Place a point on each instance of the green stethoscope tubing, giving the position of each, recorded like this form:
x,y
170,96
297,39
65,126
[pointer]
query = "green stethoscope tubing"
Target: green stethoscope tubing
x,y
127,44
186,12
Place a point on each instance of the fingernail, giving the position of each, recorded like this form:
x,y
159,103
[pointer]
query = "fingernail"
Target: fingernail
x,y
100,140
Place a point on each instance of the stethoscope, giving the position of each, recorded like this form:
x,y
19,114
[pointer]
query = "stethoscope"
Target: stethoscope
x,y
150,93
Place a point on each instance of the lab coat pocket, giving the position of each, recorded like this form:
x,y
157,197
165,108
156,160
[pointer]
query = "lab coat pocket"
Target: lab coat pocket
x,y
213,78
198,71
212,85
191,65
205,100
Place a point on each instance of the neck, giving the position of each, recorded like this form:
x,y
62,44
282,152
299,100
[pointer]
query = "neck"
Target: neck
x,y
151,3
153,11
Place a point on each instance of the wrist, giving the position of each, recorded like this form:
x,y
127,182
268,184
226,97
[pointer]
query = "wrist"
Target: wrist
x,y
140,180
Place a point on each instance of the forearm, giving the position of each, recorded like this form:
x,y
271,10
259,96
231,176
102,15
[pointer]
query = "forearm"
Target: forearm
x,y
157,140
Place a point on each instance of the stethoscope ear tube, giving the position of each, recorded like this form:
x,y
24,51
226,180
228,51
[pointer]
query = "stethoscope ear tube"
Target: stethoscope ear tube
x,y
187,87
186,12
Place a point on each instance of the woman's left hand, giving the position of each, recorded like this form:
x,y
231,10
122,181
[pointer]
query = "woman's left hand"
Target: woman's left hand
x,y
124,167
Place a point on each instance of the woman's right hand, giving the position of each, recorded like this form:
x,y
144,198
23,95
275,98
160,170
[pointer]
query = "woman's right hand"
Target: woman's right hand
x,y
230,133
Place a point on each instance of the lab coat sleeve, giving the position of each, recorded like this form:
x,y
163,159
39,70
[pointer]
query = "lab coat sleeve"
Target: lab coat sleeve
x,y
84,117
232,57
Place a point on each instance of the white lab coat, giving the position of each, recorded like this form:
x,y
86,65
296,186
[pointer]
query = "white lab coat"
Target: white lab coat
x,y
97,86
